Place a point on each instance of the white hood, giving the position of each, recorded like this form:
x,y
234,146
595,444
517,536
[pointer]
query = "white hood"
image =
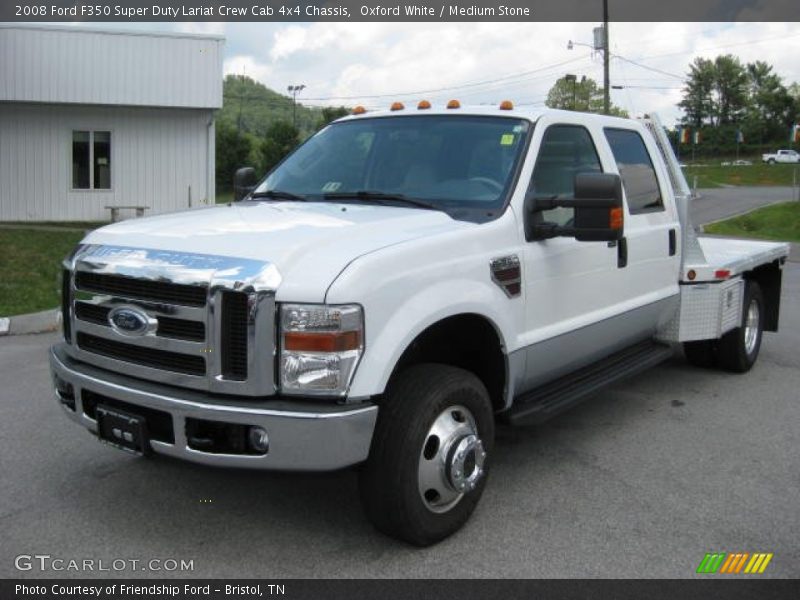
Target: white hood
x,y
309,242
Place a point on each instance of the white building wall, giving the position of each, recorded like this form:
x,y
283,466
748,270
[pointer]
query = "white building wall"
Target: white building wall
x,y
84,66
156,156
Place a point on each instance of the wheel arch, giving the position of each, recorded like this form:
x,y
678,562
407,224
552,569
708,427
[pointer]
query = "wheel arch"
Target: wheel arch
x,y
769,279
470,341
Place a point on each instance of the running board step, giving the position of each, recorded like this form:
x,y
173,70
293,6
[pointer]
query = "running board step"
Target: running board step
x,y
547,401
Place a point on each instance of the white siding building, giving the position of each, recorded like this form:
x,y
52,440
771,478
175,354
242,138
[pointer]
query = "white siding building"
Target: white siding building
x,y
91,119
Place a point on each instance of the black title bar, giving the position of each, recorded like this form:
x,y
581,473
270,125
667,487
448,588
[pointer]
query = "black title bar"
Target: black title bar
x,y
396,10
386,589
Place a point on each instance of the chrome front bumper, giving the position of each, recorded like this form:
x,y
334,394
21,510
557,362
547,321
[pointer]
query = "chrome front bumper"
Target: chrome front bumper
x,y
303,436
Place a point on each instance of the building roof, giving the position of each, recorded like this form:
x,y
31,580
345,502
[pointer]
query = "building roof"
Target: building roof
x,y
71,65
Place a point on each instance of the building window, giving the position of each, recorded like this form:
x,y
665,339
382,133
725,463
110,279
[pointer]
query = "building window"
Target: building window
x,y
91,160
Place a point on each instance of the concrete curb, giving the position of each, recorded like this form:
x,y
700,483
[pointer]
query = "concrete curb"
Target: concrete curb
x,y
40,322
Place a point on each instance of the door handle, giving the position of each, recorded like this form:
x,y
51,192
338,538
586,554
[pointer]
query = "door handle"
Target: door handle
x,y
622,253
673,243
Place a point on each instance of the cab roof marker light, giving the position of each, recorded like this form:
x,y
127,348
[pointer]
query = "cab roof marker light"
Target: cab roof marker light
x,y
423,105
454,104
359,110
506,105
397,106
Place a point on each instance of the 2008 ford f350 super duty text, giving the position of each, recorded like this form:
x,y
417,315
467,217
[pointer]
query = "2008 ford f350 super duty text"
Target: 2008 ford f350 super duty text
x,y
394,286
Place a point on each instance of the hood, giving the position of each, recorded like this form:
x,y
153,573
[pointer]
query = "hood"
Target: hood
x,y
309,242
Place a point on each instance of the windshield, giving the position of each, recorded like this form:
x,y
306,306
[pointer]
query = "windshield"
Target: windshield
x,y
460,164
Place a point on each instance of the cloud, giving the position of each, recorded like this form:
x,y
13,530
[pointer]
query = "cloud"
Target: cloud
x,y
374,63
247,65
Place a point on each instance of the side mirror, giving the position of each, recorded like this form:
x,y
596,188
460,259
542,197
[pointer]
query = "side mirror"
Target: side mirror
x,y
244,182
598,211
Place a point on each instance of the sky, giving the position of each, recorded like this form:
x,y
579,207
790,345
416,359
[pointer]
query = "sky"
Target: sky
x,y
374,64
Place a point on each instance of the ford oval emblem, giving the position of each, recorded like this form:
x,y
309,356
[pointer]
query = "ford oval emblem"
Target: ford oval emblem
x,y
129,321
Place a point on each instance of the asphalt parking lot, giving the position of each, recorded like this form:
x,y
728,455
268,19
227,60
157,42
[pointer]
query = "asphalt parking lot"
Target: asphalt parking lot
x,y
641,481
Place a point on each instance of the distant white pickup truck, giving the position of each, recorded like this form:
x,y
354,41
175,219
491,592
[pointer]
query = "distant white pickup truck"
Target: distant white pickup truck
x,y
394,286
781,156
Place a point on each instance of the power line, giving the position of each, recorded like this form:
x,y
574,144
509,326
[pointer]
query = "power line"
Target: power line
x,y
648,68
722,46
451,88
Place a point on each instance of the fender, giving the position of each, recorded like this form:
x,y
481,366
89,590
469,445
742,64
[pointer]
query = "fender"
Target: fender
x,y
404,291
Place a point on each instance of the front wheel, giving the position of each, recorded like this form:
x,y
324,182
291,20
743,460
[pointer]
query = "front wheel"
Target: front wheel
x,y
430,454
738,349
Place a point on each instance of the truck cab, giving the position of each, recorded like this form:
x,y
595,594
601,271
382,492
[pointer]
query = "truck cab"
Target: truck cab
x,y
395,286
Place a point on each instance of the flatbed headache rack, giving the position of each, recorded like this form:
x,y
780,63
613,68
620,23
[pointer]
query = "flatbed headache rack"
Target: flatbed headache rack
x,y
713,270
707,258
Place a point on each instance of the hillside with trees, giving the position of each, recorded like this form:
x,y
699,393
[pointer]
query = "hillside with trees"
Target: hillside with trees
x,y
258,126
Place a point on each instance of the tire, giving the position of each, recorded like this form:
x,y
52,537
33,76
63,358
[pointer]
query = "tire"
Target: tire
x,y
421,401
771,161
701,354
738,349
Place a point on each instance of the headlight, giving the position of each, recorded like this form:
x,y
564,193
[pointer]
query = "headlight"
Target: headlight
x,y
320,348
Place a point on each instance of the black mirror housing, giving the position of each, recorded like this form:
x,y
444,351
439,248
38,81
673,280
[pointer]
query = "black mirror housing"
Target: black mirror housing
x,y
597,203
598,207
244,182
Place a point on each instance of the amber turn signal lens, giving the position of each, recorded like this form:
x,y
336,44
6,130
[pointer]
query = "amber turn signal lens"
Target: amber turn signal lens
x,y
397,106
359,110
615,218
321,342
423,104
454,104
506,105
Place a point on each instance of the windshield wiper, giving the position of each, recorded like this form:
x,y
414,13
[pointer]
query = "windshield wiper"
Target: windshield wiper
x,y
380,197
276,195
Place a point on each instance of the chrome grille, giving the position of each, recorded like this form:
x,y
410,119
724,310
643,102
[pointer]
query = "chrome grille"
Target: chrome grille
x,y
179,329
148,357
160,291
211,320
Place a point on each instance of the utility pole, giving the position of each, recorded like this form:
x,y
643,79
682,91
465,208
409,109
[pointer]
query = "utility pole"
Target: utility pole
x,y
293,89
569,77
606,56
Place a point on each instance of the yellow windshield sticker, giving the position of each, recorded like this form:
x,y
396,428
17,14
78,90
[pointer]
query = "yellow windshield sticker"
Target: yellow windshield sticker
x,y
507,139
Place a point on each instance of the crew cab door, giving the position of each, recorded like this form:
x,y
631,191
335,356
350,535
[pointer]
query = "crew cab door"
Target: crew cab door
x,y
586,300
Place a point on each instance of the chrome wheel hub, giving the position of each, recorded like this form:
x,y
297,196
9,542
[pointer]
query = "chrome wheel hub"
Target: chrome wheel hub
x,y
451,461
751,327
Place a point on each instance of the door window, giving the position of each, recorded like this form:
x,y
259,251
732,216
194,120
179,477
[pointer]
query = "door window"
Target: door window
x,y
566,151
636,169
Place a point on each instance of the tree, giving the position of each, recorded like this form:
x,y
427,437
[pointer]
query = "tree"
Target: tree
x,y
582,95
232,151
730,86
331,113
716,92
770,107
698,103
281,138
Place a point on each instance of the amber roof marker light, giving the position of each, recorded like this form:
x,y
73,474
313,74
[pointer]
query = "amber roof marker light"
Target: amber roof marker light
x,y
454,104
423,105
506,105
359,110
396,106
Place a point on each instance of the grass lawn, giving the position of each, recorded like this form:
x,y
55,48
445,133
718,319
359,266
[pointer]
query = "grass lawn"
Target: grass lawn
x,y
713,175
30,262
777,222
83,225
224,197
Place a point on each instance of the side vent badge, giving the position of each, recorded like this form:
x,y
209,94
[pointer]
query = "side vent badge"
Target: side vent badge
x,y
507,274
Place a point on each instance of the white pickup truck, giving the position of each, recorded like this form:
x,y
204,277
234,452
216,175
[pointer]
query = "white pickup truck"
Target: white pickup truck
x,y
781,156
400,282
